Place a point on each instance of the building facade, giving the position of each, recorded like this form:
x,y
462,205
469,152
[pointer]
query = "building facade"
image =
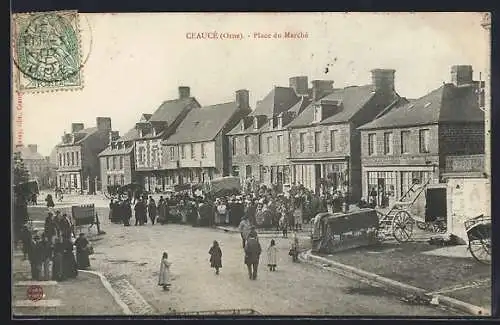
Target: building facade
x,y
324,140
37,165
199,150
259,143
77,156
417,140
117,162
148,152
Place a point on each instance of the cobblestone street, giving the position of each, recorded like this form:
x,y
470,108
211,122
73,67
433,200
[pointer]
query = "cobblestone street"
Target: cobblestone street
x,y
130,256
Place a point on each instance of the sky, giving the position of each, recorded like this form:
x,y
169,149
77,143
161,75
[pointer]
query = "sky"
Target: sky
x,y
133,62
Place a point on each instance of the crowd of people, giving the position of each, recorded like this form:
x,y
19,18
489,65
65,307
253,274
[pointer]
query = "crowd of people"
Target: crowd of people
x,y
264,208
51,253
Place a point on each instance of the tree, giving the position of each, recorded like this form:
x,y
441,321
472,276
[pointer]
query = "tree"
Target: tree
x,y
21,174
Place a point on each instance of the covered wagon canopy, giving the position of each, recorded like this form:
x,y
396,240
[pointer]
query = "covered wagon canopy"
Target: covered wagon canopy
x,y
225,186
24,191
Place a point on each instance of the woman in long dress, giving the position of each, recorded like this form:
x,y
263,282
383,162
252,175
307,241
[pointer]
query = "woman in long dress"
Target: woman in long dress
x,y
82,252
69,262
215,257
163,280
57,265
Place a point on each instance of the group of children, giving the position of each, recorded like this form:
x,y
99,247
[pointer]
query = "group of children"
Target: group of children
x,y
215,260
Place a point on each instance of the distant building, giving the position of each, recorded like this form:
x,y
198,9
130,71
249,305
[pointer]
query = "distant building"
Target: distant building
x,y
199,150
419,140
117,160
148,154
77,155
37,165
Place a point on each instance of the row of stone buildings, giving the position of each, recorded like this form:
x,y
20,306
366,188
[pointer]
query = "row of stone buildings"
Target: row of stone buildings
x,y
358,138
40,168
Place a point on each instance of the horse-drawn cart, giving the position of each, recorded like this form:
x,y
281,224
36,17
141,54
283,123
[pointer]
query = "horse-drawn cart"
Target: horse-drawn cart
x,y
399,222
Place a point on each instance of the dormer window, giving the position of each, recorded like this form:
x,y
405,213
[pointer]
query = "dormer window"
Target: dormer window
x,y
280,121
255,123
140,133
317,113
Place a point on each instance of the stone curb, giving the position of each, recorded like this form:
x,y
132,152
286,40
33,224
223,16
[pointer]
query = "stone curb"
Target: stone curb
x,y
110,289
399,287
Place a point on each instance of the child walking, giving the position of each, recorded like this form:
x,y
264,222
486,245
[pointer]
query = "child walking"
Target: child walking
x,y
272,252
163,280
215,257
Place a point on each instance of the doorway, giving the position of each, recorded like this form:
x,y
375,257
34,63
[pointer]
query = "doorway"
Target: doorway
x,y
317,177
381,195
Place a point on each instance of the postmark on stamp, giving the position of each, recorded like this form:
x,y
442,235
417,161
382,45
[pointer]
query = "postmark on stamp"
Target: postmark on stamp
x,y
47,51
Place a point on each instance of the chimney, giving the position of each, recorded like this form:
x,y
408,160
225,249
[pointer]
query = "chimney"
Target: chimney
x,y
383,79
461,75
184,92
76,127
113,135
103,123
321,88
33,148
299,84
242,98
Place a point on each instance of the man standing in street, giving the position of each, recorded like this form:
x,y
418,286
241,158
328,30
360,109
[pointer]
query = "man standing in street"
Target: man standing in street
x,y
252,255
152,210
244,229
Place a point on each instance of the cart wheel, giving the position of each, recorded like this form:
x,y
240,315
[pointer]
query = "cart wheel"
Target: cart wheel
x,y
480,249
402,226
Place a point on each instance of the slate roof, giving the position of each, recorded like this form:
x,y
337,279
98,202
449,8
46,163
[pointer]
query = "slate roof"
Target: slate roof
x,y
169,110
300,105
53,156
280,99
203,124
447,103
131,134
86,134
352,99
27,154
116,152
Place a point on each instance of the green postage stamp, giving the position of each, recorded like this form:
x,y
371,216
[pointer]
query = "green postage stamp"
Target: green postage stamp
x,y
47,51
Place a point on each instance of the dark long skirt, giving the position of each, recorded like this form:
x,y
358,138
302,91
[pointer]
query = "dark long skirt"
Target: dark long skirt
x,y
69,266
57,267
82,260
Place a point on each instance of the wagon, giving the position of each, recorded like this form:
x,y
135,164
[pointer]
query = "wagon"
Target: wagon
x,y
223,187
85,215
399,223
334,232
132,190
479,234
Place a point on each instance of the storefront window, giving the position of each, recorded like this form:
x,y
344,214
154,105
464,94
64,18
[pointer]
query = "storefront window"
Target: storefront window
x,y
382,187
